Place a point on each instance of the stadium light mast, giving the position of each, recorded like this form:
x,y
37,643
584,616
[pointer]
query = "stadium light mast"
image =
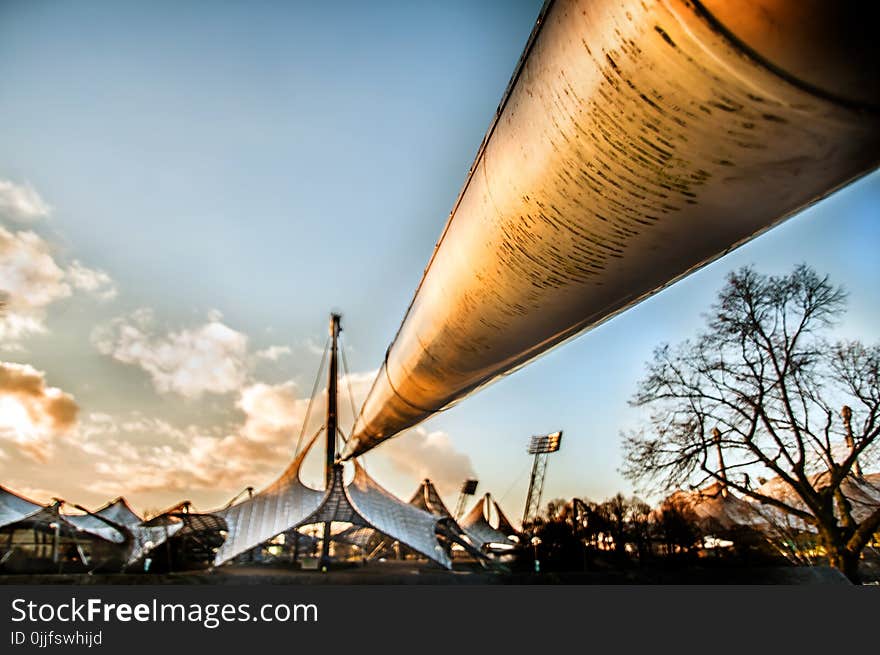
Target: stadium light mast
x,y
540,446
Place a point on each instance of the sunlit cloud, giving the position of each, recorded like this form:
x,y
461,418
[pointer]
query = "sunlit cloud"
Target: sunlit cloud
x,y
412,456
21,203
32,414
139,454
419,454
133,453
31,280
273,412
38,495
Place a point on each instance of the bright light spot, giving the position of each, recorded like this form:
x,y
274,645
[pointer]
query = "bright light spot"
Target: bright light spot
x,y
15,418
499,546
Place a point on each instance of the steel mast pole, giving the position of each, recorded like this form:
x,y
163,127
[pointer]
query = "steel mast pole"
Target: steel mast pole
x,y
331,426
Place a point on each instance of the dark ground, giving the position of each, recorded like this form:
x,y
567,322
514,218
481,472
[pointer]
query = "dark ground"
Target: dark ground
x,y
417,573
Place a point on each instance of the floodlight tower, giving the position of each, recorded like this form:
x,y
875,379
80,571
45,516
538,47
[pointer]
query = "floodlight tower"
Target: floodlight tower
x,y
468,488
540,445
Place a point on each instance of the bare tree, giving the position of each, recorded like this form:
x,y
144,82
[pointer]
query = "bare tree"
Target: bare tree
x,y
762,386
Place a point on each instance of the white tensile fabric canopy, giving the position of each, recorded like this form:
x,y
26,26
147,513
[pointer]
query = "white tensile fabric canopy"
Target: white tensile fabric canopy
x,y
477,526
287,504
14,508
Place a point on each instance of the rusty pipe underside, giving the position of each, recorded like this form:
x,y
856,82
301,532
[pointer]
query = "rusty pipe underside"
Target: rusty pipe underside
x,y
638,141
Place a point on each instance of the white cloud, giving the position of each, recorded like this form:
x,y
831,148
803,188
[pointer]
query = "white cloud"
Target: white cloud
x,y
31,413
96,282
21,203
207,358
273,353
211,358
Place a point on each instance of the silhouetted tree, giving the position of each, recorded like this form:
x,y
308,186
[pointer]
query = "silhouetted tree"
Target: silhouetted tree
x,y
557,509
562,546
615,512
640,527
764,387
623,521
678,528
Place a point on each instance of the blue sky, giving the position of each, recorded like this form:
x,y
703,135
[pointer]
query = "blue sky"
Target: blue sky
x,y
236,171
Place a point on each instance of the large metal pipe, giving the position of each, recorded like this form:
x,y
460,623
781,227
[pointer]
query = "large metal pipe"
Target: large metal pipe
x,y
638,141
